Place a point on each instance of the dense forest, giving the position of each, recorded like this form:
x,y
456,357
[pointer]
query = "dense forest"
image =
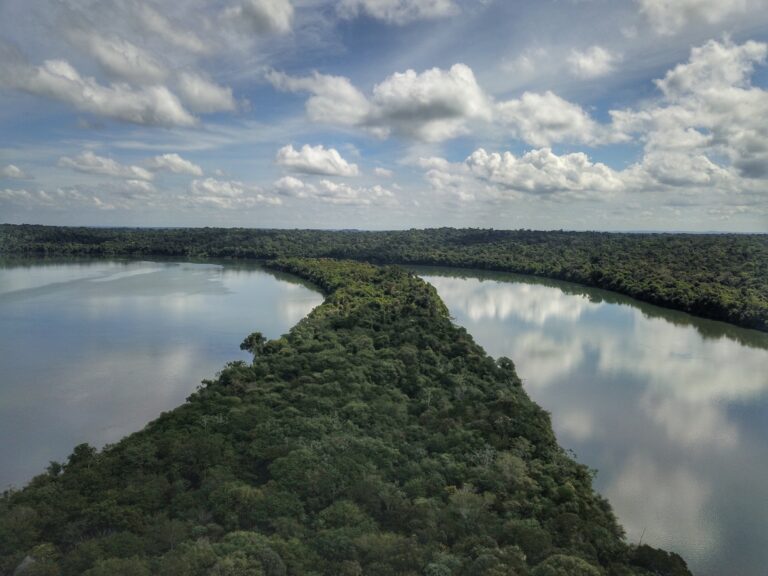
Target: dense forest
x,y
375,438
718,276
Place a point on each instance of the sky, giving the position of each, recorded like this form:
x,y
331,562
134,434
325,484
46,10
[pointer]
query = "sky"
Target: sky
x,y
386,114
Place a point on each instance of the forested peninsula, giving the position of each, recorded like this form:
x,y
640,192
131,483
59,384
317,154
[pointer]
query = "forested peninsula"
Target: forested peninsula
x,y
717,276
375,438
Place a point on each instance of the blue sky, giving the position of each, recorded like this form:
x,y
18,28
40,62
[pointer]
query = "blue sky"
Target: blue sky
x,y
574,114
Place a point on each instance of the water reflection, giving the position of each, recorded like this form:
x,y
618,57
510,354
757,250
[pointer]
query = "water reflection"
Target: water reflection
x,y
672,410
93,350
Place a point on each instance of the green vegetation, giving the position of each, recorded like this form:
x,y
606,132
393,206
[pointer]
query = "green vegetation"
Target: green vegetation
x,y
376,438
723,277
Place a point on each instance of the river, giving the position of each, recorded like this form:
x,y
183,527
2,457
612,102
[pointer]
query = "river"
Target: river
x,y
93,350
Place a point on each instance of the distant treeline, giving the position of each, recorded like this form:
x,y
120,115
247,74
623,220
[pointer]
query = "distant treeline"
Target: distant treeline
x,y
376,438
718,276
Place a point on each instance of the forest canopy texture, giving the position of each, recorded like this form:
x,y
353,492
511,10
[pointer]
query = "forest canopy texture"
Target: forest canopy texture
x,y
717,276
375,438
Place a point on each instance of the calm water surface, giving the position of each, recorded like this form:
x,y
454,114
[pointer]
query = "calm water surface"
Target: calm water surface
x,y
91,351
670,409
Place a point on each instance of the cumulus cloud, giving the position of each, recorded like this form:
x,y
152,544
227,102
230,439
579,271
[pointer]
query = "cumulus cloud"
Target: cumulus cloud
x,y
123,59
291,186
57,79
58,199
713,66
203,95
592,62
335,193
227,195
432,106
397,11
708,110
669,16
315,160
679,170
383,172
155,22
12,171
140,186
334,99
90,163
264,16
341,193
437,104
544,172
176,164
539,172
707,132
544,119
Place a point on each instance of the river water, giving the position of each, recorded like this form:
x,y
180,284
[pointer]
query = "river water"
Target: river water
x,y
670,409
91,351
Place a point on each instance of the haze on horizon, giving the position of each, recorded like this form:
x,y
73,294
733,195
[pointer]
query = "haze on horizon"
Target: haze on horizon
x,y
575,114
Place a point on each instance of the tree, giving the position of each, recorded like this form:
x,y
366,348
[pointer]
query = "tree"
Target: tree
x,y
254,343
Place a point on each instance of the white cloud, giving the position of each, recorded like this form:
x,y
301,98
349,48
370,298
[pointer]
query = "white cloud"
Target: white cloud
x,y
669,16
679,169
544,172
708,110
291,186
315,160
203,95
437,104
342,193
433,105
90,163
57,79
12,171
706,135
383,172
175,164
713,66
59,199
141,186
545,119
227,195
592,62
493,176
397,11
123,59
172,33
334,99
264,16
335,193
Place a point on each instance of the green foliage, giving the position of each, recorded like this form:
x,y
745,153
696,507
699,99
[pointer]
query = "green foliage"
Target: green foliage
x,y
658,561
719,276
375,438
562,565
254,343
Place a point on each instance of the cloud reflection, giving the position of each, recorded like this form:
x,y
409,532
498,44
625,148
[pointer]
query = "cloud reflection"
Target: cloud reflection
x,y
533,304
123,341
